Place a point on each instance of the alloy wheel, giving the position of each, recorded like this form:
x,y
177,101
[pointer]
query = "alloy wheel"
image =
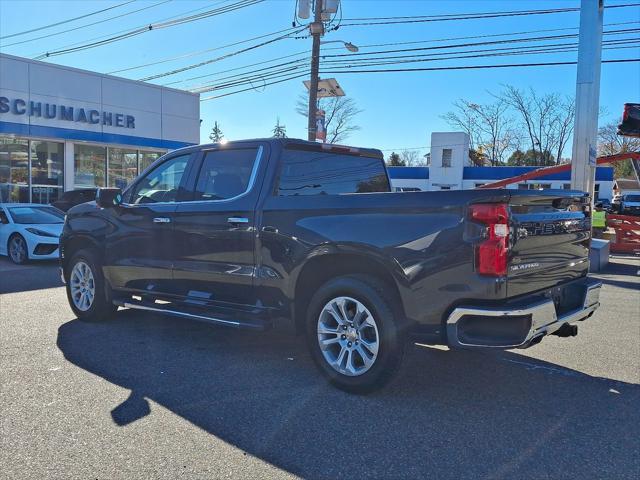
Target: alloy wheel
x,y
18,249
82,285
348,336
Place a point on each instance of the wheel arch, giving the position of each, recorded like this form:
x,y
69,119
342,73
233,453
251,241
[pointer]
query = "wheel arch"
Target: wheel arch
x,y
319,269
76,243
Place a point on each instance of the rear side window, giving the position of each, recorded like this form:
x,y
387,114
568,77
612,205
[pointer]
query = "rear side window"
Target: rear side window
x,y
320,173
225,174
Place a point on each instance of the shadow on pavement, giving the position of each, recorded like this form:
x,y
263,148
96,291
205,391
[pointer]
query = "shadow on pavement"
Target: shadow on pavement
x,y
448,415
32,276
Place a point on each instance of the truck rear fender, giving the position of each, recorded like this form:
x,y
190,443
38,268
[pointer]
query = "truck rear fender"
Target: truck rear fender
x,y
330,261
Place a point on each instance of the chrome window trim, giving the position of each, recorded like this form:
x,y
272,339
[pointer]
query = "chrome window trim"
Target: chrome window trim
x,y
252,181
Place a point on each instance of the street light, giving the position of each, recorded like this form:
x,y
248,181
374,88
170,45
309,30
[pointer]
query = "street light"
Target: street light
x,y
316,29
348,45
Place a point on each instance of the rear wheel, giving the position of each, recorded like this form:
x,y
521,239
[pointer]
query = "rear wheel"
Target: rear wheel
x,y
353,333
88,294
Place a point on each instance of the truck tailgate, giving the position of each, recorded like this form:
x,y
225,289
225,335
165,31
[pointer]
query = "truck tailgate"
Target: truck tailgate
x,y
551,238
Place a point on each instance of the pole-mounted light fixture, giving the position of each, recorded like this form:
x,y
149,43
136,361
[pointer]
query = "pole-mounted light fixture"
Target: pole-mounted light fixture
x,y
348,45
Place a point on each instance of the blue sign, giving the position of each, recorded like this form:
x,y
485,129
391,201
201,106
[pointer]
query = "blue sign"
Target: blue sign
x,y
18,106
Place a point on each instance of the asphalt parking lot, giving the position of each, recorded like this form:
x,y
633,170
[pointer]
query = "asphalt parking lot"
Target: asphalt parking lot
x,y
144,396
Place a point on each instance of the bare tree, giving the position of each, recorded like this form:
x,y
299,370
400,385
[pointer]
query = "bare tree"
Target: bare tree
x,y
564,121
340,113
411,158
547,120
465,118
610,143
488,126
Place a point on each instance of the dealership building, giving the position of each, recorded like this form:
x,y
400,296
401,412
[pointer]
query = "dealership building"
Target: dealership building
x,y
62,128
449,169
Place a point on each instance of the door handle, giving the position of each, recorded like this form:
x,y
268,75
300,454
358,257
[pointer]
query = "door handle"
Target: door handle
x,y
238,220
161,220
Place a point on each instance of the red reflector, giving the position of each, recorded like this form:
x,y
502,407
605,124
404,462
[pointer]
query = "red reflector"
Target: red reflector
x,y
492,255
490,213
491,258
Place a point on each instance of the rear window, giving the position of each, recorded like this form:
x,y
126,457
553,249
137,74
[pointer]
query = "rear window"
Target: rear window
x,y
321,173
632,198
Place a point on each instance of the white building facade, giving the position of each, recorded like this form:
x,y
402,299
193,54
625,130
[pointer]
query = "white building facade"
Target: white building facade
x,y
450,170
62,128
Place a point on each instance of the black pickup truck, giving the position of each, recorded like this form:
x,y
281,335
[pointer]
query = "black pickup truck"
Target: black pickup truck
x,y
255,233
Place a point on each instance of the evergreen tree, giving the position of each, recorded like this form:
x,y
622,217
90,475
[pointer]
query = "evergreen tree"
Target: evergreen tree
x,y
279,131
394,160
216,134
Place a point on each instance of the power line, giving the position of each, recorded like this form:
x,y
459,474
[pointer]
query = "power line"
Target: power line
x,y
62,22
500,54
290,67
468,16
351,55
396,59
466,67
383,44
157,26
207,62
238,68
518,49
100,37
477,67
471,44
483,36
87,24
193,54
302,75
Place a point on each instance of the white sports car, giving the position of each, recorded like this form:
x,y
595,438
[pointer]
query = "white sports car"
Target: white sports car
x,y
30,231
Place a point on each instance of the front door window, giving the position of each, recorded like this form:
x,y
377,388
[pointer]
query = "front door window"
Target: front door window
x,y
161,184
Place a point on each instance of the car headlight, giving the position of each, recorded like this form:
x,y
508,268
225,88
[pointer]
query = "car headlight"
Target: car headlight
x,y
40,233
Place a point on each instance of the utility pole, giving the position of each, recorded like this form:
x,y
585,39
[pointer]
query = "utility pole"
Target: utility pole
x,y
585,132
317,30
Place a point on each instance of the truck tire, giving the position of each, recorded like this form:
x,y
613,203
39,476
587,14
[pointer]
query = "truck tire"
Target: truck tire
x,y
87,291
353,333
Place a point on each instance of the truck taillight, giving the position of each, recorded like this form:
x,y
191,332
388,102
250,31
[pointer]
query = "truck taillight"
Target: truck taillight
x,y
493,252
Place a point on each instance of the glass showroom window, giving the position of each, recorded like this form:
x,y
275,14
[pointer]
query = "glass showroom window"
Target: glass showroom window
x,y
89,166
14,169
47,171
122,167
147,158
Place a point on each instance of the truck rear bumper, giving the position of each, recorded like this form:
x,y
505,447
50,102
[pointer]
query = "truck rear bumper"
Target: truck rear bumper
x,y
520,325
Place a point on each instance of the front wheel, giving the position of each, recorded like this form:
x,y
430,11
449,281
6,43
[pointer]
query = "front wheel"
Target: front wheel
x,y
88,294
18,250
354,335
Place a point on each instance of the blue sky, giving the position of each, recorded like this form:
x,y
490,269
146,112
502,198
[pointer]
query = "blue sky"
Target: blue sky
x,y
400,110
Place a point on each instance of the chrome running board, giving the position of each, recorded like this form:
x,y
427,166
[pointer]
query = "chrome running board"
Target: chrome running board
x,y
252,325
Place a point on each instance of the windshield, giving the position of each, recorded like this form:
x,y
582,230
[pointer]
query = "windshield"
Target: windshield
x,y
632,198
44,214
